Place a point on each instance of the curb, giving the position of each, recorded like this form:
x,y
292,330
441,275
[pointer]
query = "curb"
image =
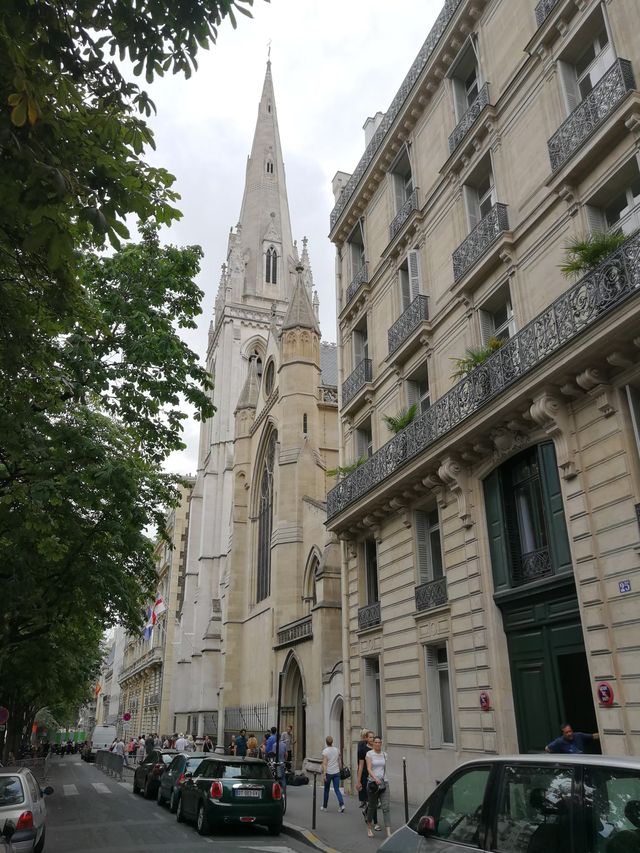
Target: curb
x,y
307,837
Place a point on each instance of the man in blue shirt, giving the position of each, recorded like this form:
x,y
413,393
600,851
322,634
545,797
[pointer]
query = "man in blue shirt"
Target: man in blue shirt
x,y
570,741
271,743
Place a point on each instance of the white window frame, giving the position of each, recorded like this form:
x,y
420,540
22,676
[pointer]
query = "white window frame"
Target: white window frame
x,y
360,339
488,328
465,91
474,201
402,179
604,57
434,697
425,527
364,440
410,279
417,394
372,693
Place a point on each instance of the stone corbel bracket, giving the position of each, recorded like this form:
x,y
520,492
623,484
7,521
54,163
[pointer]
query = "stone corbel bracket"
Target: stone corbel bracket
x,y
455,475
595,384
550,413
403,510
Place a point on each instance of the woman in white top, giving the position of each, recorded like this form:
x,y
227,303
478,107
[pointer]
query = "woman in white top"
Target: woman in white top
x,y
331,764
378,785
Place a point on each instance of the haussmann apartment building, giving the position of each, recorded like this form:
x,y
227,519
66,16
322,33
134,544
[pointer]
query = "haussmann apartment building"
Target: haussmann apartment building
x,y
491,558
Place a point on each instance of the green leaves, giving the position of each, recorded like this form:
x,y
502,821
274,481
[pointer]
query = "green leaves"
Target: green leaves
x,y
585,253
475,357
402,419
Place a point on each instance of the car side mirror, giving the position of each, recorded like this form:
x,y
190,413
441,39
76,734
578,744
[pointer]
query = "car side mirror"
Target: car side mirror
x,y
47,791
9,829
426,825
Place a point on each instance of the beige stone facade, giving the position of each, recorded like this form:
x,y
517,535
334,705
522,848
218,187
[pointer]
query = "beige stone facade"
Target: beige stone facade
x,y
491,548
147,674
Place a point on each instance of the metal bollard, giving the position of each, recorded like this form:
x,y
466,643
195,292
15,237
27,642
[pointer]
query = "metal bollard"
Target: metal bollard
x,y
313,814
406,795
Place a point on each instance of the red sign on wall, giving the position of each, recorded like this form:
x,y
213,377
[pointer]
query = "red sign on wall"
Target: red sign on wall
x,y
605,693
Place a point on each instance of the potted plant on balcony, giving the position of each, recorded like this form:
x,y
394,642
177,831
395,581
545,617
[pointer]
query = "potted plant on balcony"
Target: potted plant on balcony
x,y
474,357
585,253
398,422
344,470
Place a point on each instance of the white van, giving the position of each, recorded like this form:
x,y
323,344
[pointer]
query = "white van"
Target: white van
x,y
101,738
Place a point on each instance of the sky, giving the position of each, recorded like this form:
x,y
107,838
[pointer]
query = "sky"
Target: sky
x,y
334,63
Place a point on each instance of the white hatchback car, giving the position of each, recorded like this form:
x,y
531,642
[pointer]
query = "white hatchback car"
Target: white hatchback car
x,y
529,804
22,804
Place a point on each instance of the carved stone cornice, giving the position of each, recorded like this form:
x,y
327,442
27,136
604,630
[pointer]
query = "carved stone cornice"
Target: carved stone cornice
x,y
457,478
550,413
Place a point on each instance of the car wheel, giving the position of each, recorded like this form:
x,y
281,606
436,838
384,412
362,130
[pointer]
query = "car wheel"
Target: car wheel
x,y
173,802
40,845
159,797
203,826
275,828
179,813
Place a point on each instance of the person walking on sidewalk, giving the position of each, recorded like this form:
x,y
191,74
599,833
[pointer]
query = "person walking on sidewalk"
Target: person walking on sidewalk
x,y
378,786
331,763
362,777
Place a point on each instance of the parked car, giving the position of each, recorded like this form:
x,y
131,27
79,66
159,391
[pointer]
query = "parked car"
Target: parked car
x,y
231,791
22,804
147,775
172,779
529,804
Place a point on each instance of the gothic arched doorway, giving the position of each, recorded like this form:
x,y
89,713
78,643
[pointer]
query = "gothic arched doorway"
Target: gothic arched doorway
x,y
294,708
336,723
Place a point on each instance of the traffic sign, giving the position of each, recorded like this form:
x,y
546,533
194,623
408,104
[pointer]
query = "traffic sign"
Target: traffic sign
x,y
126,717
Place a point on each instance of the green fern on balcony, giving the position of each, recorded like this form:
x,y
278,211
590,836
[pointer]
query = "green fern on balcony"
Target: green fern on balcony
x,y
402,419
585,253
475,357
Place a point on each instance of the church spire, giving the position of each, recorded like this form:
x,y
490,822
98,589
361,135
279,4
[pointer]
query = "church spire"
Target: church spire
x,y
264,216
300,313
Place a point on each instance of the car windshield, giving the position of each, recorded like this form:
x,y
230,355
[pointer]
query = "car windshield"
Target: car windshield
x,y
11,791
246,771
167,759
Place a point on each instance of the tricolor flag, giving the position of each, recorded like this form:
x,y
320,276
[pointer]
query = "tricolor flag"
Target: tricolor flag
x,y
158,608
148,625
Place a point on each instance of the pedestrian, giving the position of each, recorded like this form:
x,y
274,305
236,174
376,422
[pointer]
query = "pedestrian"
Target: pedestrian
x,y
378,786
149,745
131,747
252,746
141,750
281,768
119,749
570,741
157,741
271,743
181,743
263,746
362,777
166,743
331,764
241,743
289,740
191,744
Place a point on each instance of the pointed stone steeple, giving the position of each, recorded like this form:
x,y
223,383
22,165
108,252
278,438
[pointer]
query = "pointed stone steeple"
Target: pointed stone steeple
x,y
300,313
264,216
249,395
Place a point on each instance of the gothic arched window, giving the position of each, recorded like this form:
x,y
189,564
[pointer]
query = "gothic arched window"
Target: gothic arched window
x,y
271,267
265,520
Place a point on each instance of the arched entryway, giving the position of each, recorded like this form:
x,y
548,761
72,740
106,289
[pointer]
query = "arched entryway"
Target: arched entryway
x,y
294,708
336,723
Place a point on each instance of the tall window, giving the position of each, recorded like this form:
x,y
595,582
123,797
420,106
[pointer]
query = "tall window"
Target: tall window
x,y
372,704
360,343
616,206
428,546
271,269
371,570
525,519
439,697
585,61
418,390
355,245
496,317
402,180
265,520
410,278
479,193
269,167
364,440
465,80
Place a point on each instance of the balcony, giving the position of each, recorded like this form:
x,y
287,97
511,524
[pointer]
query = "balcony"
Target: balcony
x,y
295,632
360,278
403,332
403,214
591,113
480,240
151,658
431,594
577,310
544,9
369,616
533,566
468,119
359,379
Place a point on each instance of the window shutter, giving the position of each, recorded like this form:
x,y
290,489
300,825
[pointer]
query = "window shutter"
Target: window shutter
x,y
487,326
405,289
413,393
595,219
554,508
569,82
358,348
413,262
460,98
497,531
471,205
423,556
434,712
399,190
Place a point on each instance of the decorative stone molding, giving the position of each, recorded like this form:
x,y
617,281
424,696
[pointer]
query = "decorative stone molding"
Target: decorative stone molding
x,y
403,509
550,413
456,477
508,438
619,359
437,488
595,384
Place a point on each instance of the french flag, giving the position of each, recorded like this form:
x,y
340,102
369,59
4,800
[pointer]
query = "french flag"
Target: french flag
x,y
148,625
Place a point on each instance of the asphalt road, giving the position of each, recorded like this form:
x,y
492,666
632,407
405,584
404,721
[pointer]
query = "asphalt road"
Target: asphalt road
x,y
90,812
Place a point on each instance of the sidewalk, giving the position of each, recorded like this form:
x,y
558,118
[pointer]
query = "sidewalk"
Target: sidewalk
x,y
334,832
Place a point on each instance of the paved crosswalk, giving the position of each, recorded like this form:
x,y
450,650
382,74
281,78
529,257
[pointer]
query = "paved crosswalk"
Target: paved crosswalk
x,y
99,788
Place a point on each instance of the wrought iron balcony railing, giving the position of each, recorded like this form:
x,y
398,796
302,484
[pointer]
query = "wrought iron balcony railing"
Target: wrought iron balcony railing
x,y
483,235
301,629
360,278
462,128
437,30
533,566
591,113
407,322
431,594
403,214
153,657
357,380
369,616
579,308
544,9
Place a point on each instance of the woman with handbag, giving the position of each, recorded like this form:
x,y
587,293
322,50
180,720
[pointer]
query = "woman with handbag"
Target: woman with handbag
x,y
378,785
331,767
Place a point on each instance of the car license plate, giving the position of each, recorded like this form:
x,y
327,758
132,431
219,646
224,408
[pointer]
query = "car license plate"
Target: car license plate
x,y
249,792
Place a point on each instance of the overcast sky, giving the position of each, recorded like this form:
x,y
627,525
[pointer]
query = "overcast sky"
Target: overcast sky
x,y
334,62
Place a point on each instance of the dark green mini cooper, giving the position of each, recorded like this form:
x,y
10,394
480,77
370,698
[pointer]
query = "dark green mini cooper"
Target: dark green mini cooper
x,y
231,791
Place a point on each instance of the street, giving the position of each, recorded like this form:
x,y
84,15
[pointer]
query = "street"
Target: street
x,y
90,811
